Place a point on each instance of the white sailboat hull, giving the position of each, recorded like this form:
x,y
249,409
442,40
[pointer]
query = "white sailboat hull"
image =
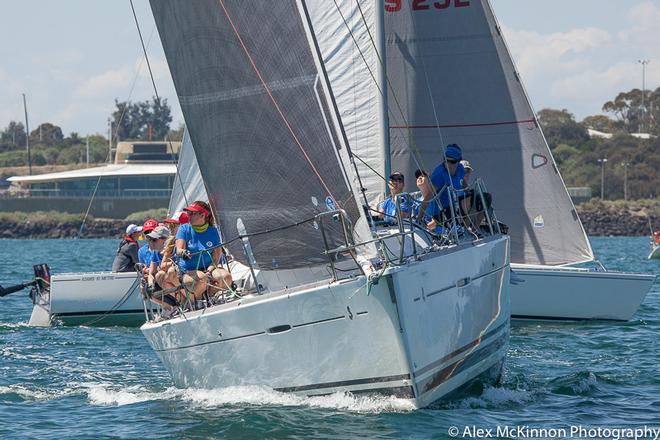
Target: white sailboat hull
x,y
564,293
92,298
421,332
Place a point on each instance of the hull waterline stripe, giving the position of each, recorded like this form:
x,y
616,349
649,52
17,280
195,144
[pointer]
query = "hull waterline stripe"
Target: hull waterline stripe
x,y
101,312
458,351
344,383
562,318
457,367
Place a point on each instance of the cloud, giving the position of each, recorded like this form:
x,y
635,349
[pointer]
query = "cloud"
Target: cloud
x,y
582,68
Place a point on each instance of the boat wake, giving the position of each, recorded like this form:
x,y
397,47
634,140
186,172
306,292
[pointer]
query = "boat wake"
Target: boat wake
x,y
495,397
246,395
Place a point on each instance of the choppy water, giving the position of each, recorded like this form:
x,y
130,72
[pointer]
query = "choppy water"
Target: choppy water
x,y
107,383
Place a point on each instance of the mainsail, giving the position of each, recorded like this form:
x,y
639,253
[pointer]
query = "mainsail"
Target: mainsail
x,y
270,146
188,182
453,81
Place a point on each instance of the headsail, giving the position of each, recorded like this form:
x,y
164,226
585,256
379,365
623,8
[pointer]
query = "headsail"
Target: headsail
x,y
344,30
262,123
188,184
454,82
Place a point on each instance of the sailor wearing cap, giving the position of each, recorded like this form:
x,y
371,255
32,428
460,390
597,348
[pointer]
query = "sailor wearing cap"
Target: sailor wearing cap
x,y
387,211
449,173
146,251
127,252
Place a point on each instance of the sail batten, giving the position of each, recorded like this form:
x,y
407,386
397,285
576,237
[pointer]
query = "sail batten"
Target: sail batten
x,y
261,123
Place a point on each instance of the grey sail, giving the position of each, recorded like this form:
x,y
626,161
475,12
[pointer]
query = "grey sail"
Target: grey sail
x,y
262,123
188,182
454,82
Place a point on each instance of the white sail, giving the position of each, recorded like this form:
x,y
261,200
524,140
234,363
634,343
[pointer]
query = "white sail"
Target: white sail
x,y
454,82
344,30
188,183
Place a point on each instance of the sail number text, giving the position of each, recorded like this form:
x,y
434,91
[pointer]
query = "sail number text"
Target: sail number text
x,y
425,5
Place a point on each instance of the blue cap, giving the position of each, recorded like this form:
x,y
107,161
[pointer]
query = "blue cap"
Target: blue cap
x,y
454,151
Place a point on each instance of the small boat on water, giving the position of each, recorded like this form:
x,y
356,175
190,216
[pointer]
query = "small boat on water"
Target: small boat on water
x,y
107,298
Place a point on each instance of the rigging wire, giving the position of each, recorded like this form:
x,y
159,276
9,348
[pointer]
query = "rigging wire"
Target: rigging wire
x,y
116,134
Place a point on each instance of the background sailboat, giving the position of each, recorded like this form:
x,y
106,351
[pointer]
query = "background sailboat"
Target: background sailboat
x,y
452,80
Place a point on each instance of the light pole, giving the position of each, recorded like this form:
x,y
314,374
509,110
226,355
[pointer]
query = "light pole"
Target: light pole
x,y
643,63
602,162
625,166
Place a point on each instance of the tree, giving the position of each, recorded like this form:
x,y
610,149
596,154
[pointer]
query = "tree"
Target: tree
x,y
12,137
627,107
47,134
600,123
560,127
142,120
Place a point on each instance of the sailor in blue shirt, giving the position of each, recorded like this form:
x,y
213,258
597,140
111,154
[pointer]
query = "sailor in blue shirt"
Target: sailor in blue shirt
x,y
387,211
146,250
449,173
427,209
192,239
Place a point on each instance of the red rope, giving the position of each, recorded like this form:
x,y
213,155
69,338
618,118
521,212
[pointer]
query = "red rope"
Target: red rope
x,y
272,98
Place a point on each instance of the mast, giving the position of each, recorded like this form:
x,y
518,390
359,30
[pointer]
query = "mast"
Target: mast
x,y
381,77
27,137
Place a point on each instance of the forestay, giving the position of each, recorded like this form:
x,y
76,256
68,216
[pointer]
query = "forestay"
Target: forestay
x,y
262,123
188,184
344,30
454,82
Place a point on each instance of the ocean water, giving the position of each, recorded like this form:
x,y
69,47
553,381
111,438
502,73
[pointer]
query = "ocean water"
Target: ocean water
x,y
80,382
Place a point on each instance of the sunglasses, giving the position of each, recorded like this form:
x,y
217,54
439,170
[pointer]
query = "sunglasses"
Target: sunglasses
x,y
452,161
396,179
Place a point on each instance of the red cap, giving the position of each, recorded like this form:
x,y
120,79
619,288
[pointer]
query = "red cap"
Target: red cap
x,y
196,208
149,225
179,217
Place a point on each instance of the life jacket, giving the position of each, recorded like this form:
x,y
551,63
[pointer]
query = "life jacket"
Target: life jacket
x,y
127,239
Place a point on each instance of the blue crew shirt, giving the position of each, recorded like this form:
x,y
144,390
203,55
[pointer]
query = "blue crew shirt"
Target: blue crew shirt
x,y
389,210
433,210
440,178
145,254
156,257
196,242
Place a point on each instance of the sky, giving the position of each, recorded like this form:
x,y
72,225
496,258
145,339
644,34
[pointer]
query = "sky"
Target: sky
x,y
73,58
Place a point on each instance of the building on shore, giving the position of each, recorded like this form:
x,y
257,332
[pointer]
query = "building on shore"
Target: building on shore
x,y
140,178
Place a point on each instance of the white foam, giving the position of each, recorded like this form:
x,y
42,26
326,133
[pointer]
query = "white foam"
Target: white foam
x,y
32,394
104,395
256,395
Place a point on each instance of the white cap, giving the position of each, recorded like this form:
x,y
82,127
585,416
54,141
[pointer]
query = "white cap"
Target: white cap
x,y
132,229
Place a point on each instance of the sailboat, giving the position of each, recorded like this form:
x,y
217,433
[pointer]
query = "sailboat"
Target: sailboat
x,y
452,80
329,312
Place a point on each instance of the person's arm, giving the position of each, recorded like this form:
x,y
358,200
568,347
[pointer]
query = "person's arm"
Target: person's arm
x,y
180,246
217,253
153,268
